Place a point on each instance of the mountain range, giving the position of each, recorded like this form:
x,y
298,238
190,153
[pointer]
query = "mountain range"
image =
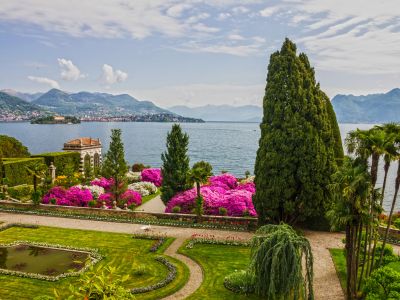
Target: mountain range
x,y
12,107
373,108
95,104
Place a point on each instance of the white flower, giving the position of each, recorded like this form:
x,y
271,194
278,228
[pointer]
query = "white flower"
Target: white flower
x,y
94,189
143,188
133,176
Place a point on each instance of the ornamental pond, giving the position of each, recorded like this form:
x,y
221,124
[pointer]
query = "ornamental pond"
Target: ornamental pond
x,y
41,260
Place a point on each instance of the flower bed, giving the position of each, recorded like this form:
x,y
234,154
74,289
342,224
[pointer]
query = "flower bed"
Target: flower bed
x,y
172,272
222,196
94,195
152,175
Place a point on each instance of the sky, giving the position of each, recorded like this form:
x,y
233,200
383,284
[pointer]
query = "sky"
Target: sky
x,y
195,52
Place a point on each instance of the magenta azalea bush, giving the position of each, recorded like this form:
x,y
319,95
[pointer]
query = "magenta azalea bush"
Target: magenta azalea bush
x,y
152,175
223,191
131,198
103,182
226,181
73,196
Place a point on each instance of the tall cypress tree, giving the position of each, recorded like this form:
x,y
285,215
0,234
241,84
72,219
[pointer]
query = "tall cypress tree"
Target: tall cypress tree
x,y
175,166
114,165
296,155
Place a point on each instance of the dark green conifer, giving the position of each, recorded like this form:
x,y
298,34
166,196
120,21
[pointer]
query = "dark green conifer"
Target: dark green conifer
x,y
296,155
175,166
114,165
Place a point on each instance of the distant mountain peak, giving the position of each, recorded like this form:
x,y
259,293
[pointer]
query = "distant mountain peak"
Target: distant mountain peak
x,y
372,108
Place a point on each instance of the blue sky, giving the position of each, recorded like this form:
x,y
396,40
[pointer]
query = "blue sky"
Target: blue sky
x,y
195,52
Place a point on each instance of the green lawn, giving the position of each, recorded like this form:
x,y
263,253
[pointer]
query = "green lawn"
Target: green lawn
x,y
339,261
218,261
118,249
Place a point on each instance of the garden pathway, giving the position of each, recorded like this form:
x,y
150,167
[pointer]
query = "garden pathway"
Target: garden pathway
x,y
154,205
196,273
326,282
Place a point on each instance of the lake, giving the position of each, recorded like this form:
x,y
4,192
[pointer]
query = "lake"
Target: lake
x,y
227,146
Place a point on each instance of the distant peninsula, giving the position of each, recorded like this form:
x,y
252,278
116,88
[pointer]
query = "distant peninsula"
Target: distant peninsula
x,y
56,120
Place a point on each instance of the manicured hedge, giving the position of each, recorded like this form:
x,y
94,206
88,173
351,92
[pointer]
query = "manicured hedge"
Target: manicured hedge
x,y
61,160
15,170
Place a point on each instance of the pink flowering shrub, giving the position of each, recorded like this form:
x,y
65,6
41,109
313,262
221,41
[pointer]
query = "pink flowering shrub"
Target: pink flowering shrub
x,y
74,196
103,182
78,197
57,193
223,192
152,175
131,198
226,181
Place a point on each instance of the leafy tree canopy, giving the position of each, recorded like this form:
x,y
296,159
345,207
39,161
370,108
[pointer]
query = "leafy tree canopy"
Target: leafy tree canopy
x,y
11,147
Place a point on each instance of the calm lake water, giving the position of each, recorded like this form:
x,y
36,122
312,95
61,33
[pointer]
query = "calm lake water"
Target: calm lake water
x,y
227,146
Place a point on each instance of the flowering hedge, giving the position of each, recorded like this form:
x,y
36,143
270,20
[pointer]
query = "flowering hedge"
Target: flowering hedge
x,y
222,194
152,175
103,182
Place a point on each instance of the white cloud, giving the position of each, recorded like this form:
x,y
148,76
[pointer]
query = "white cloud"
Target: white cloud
x,y
194,94
235,37
353,36
204,28
178,9
112,18
196,18
269,11
223,16
54,84
240,10
69,71
111,76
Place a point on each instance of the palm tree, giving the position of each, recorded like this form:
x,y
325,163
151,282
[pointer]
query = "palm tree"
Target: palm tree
x,y
367,144
392,130
396,191
199,174
37,171
352,189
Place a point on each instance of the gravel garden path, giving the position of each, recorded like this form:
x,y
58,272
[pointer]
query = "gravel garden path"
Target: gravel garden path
x,y
154,205
326,282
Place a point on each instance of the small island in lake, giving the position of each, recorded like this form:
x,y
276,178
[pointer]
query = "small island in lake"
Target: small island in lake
x,y
56,120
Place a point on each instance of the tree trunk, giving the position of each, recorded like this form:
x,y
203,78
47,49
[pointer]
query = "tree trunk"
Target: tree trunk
x,y
34,183
396,191
386,168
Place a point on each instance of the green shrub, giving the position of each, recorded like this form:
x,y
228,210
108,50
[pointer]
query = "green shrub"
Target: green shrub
x,y
36,197
15,170
21,192
384,283
176,209
396,223
139,167
240,282
63,161
222,211
11,147
92,203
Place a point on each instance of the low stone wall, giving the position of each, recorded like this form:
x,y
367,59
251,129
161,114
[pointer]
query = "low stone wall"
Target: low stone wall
x,y
393,236
247,223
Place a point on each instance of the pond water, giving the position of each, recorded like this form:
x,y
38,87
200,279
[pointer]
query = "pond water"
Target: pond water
x,y
41,260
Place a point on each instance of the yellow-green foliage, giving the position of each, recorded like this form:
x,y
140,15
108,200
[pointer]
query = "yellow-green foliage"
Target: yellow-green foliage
x,y
15,170
61,160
